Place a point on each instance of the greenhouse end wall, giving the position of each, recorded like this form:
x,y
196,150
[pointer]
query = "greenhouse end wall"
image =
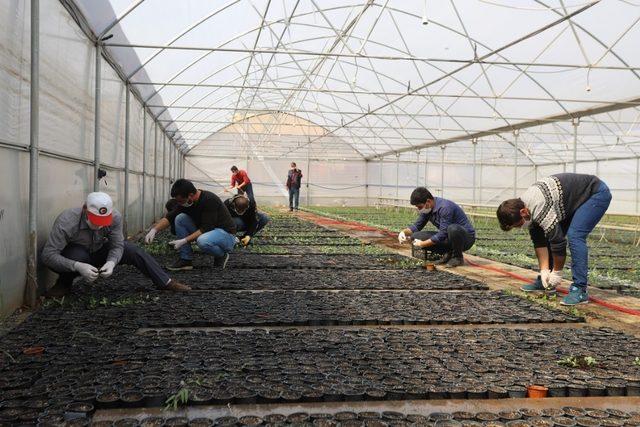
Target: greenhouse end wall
x,y
341,183
66,142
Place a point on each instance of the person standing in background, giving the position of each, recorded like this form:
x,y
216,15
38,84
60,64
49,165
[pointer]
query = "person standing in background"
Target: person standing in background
x,y
294,181
240,181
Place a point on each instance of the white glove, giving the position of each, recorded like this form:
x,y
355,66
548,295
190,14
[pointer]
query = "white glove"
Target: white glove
x,y
545,275
417,243
87,271
402,237
150,236
177,244
107,269
555,278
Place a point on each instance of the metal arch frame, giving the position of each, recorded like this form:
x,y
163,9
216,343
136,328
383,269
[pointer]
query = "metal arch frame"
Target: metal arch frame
x,y
583,30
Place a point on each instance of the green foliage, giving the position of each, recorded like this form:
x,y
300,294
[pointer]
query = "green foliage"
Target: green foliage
x,y
578,362
94,302
180,398
636,361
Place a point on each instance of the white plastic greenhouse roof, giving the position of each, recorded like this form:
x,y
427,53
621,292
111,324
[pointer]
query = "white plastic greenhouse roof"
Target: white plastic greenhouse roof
x,y
382,77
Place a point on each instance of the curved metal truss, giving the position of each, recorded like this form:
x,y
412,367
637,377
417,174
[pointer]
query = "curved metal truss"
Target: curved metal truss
x,y
544,81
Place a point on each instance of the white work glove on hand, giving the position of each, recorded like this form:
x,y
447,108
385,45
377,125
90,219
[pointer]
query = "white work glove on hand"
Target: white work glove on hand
x,y
402,237
177,244
107,269
150,236
245,240
417,243
555,278
545,275
87,271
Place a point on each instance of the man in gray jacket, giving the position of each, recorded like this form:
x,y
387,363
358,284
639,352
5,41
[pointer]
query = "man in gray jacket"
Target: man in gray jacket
x,y
562,207
89,242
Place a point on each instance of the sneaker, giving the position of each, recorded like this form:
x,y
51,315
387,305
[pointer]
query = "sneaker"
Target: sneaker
x,y
536,286
221,261
576,296
290,209
445,259
181,264
455,262
176,286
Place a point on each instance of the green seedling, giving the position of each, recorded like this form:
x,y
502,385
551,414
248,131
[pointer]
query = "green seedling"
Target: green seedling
x,y
180,398
578,362
6,353
636,361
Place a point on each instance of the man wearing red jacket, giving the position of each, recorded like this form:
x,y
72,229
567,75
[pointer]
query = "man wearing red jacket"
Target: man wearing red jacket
x,y
240,181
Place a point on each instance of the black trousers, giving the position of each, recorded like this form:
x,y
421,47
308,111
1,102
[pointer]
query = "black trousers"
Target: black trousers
x,y
458,240
132,255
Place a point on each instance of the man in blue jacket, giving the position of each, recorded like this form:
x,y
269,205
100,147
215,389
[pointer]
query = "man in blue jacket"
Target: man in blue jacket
x,y
455,233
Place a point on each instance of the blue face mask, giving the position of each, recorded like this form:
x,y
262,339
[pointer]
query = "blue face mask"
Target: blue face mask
x,y
424,211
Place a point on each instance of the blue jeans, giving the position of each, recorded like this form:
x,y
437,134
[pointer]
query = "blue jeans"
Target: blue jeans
x,y
216,242
263,219
294,197
248,191
583,222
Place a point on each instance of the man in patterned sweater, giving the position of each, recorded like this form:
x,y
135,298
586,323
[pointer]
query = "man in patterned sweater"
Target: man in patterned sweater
x,y
562,207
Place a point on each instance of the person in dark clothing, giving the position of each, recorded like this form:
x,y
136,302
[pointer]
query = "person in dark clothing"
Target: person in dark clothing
x,y
201,217
88,241
246,216
170,206
455,233
562,207
294,181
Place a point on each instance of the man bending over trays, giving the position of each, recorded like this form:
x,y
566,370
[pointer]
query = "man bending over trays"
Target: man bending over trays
x,y
455,233
88,241
246,216
562,207
200,217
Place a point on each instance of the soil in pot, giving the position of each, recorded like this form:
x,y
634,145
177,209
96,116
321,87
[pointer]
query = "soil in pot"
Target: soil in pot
x,y
201,422
152,422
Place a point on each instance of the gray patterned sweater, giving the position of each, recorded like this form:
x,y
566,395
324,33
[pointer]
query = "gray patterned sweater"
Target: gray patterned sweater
x,y
552,202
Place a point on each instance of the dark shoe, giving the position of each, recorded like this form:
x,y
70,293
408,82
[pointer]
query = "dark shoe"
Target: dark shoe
x,y
535,286
59,290
176,286
221,261
445,259
455,262
181,264
290,209
576,296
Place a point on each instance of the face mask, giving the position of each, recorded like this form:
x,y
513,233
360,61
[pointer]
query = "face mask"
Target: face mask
x,y
526,223
424,211
187,204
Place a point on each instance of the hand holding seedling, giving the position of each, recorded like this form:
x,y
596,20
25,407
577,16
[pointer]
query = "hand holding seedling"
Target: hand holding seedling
x,y
107,269
177,244
87,271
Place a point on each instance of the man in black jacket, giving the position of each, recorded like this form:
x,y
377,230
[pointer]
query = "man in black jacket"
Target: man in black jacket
x,y
246,216
200,217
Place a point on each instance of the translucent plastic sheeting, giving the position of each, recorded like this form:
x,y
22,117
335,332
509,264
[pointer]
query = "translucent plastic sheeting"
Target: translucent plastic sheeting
x,y
381,76
323,182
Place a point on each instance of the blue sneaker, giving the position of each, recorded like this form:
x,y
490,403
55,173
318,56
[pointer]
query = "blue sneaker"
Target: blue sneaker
x,y
576,296
535,286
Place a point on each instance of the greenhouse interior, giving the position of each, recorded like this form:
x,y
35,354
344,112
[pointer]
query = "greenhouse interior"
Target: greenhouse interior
x,y
320,212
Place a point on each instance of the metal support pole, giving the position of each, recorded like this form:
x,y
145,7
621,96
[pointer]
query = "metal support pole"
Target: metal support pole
x,y
575,123
442,147
96,125
474,141
170,164
535,173
426,160
564,167
597,167
397,177
144,167
154,209
380,181
308,196
31,288
125,206
516,133
163,191
417,168
366,183
637,185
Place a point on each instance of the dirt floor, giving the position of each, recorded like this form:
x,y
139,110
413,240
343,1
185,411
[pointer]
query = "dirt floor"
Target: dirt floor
x,y
359,336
